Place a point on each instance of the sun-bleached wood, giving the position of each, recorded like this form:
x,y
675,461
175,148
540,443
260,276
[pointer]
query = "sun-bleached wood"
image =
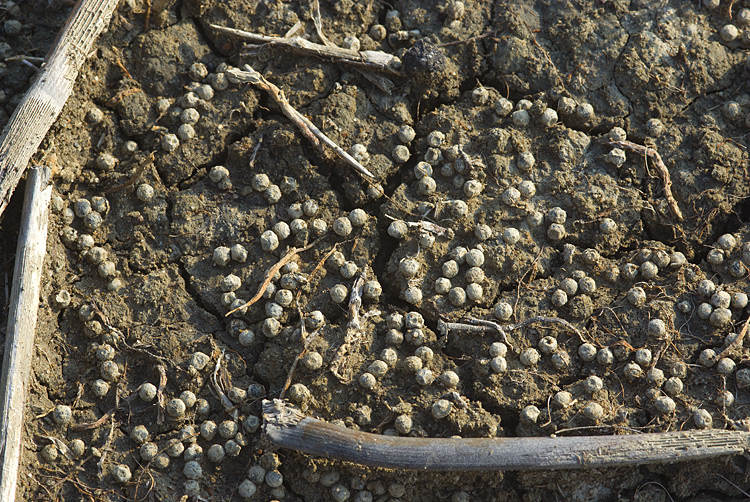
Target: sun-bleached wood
x,y
19,341
288,428
46,97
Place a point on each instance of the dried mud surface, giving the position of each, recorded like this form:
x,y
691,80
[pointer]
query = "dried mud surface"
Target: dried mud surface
x,y
555,209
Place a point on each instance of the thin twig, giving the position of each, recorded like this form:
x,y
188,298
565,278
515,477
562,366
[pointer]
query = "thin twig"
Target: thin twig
x,y
353,330
738,488
138,171
736,342
482,326
225,401
371,60
427,226
657,484
315,271
317,21
119,63
663,171
160,393
104,450
147,16
306,344
547,320
287,427
86,426
255,153
60,446
495,326
289,256
21,58
306,127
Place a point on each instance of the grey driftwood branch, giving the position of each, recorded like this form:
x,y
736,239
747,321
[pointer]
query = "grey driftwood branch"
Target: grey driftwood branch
x,y
288,428
19,343
47,95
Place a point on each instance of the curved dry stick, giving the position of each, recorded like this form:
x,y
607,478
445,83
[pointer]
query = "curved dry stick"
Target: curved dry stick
x,y
289,256
287,427
47,95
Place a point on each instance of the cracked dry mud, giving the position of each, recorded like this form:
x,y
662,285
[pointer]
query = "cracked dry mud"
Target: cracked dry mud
x,y
567,227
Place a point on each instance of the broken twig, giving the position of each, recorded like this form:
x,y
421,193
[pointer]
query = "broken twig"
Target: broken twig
x,y
160,393
371,60
229,407
318,22
306,127
663,171
353,330
427,226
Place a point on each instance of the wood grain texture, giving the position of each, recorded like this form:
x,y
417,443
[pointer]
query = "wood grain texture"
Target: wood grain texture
x,y
46,97
19,343
288,428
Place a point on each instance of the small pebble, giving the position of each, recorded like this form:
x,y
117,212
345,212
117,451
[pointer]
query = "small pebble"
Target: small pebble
x,y
299,393
525,161
529,357
62,414
593,411
520,118
121,473
656,328
549,117
147,392
441,408
729,32
702,419
175,408
725,366
673,386
169,142
593,384
530,414
406,134
562,399
398,229
145,192
499,364
587,352
665,405
400,154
